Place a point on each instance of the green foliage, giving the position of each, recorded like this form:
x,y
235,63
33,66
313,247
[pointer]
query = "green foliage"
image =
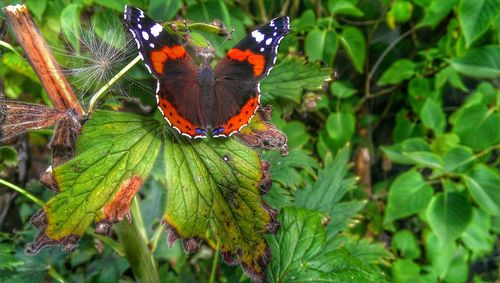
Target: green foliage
x,y
410,85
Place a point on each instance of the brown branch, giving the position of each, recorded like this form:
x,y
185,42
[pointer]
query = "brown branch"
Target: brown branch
x,y
41,59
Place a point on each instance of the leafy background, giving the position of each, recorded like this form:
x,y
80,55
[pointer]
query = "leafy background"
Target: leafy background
x,y
414,91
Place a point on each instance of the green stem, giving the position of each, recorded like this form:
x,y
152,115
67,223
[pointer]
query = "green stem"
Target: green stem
x,y
101,91
134,241
55,275
10,47
262,10
214,264
153,242
23,192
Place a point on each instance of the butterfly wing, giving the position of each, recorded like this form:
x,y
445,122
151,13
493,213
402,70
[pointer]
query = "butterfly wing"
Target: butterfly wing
x,y
238,75
178,92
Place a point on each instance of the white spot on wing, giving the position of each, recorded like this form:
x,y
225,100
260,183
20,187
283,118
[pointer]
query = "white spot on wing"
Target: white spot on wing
x,y
152,45
139,26
156,29
269,40
258,36
262,49
145,35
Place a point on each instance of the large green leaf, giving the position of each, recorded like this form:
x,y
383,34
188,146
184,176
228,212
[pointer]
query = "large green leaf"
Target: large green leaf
x,y
477,126
475,17
300,254
436,12
409,194
291,77
482,62
213,193
353,41
484,186
448,215
115,153
321,45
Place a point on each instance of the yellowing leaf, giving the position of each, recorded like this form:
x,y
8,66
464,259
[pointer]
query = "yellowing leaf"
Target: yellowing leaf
x,y
114,155
213,193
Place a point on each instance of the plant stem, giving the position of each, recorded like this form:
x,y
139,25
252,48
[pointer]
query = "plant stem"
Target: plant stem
x,y
22,192
262,10
55,275
101,91
41,59
133,238
10,47
214,264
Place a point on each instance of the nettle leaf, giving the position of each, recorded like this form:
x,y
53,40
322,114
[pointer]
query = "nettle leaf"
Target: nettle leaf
x,y
408,194
115,153
291,77
300,253
286,169
213,193
327,192
475,16
9,261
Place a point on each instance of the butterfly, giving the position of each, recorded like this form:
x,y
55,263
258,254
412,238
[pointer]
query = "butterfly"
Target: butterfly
x,y
196,99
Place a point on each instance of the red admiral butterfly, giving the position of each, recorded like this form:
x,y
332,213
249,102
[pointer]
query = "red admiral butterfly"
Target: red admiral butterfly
x,y
193,98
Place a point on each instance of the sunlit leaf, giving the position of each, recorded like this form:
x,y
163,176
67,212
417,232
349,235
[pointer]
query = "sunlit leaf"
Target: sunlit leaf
x,y
300,255
481,62
475,16
448,215
115,153
409,194
353,41
213,194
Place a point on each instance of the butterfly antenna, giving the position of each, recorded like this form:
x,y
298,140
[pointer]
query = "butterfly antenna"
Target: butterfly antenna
x,y
228,37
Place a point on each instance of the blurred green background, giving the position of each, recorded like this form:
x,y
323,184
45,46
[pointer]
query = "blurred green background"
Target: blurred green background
x,y
411,86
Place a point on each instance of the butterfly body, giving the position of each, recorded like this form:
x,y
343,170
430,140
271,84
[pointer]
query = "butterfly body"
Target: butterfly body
x,y
196,99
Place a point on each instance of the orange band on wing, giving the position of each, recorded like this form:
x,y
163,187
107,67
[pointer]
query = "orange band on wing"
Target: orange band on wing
x,y
175,119
158,58
243,117
256,60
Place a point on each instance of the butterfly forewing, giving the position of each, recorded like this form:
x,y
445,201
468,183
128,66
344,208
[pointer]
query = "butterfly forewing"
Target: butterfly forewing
x,y
237,76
